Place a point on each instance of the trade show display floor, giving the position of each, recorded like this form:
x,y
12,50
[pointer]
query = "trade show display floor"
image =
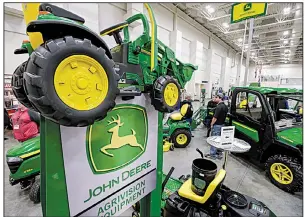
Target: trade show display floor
x,y
241,176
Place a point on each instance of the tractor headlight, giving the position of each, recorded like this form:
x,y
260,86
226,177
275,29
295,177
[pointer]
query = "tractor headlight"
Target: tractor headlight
x,y
13,159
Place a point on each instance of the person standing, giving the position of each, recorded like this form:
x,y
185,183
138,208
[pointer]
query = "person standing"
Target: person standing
x,y
217,123
25,123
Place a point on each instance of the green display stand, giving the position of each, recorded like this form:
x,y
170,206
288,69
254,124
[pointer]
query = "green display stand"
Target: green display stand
x,y
79,175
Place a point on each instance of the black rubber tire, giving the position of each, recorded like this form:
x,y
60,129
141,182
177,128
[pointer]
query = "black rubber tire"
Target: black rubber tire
x,y
136,206
18,86
39,83
172,148
296,168
35,192
181,131
157,95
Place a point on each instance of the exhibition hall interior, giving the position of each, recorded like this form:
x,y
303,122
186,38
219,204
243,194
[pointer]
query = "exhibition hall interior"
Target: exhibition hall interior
x,y
153,109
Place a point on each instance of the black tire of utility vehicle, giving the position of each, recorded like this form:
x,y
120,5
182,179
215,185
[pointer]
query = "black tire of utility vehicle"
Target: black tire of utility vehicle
x,y
176,133
157,95
35,192
296,168
136,206
18,86
39,77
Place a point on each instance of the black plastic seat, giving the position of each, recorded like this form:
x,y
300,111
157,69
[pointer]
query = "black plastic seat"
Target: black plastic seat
x,y
60,12
116,28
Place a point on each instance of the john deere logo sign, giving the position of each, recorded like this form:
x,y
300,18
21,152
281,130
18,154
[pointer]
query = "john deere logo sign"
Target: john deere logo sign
x,y
117,140
242,11
247,6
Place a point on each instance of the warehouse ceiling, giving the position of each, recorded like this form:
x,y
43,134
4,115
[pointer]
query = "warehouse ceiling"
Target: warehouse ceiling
x,y
277,36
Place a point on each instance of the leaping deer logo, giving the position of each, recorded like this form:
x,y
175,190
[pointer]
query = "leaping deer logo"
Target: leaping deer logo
x,y
117,141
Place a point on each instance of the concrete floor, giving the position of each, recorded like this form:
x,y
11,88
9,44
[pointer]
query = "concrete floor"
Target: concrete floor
x,y
240,176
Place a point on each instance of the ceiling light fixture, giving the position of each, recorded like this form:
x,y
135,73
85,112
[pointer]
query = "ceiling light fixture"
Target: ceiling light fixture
x,y
226,25
211,10
286,11
207,7
240,40
286,33
286,42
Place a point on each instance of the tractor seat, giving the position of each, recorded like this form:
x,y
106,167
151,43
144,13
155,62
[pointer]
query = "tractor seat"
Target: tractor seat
x,y
60,12
178,116
118,27
185,190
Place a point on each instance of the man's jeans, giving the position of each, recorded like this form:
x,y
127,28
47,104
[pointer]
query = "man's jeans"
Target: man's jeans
x,y
216,131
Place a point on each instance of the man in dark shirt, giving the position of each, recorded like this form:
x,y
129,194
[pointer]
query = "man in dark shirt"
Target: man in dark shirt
x,y
217,123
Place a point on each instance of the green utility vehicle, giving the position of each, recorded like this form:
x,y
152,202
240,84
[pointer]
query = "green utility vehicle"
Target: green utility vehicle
x,y
177,129
23,161
274,131
73,78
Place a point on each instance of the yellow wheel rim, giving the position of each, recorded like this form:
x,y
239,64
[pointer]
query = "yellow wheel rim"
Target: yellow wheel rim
x,y
281,173
181,139
81,82
171,94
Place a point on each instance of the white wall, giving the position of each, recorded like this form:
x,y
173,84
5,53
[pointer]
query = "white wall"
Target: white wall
x,y
290,71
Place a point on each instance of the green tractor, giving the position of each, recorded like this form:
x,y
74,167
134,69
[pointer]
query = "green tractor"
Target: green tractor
x,y
23,161
73,78
177,129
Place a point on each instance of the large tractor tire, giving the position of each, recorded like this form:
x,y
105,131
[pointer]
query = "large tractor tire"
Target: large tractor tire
x,y
285,172
71,82
35,192
165,95
18,88
181,138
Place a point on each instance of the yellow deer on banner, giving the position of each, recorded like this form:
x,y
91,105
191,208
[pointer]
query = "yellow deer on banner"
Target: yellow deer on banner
x,y
117,141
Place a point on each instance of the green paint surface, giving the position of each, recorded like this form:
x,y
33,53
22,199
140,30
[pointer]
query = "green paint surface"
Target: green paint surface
x,y
250,132
267,90
27,168
54,198
292,136
134,120
24,147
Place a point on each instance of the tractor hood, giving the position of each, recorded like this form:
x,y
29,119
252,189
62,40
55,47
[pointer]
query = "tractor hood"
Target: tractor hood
x,y
27,147
292,136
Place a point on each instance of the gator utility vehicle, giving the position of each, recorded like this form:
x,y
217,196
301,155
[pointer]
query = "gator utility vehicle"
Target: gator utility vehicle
x,y
274,131
72,76
23,161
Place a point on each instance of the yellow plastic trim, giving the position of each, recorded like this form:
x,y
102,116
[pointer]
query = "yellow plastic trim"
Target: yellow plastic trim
x,y
148,53
29,154
244,126
31,12
281,173
112,30
81,82
289,140
166,146
186,191
176,116
171,94
152,59
181,139
183,109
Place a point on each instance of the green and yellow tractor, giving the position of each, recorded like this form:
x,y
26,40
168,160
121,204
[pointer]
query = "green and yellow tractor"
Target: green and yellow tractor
x,y
23,160
73,78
